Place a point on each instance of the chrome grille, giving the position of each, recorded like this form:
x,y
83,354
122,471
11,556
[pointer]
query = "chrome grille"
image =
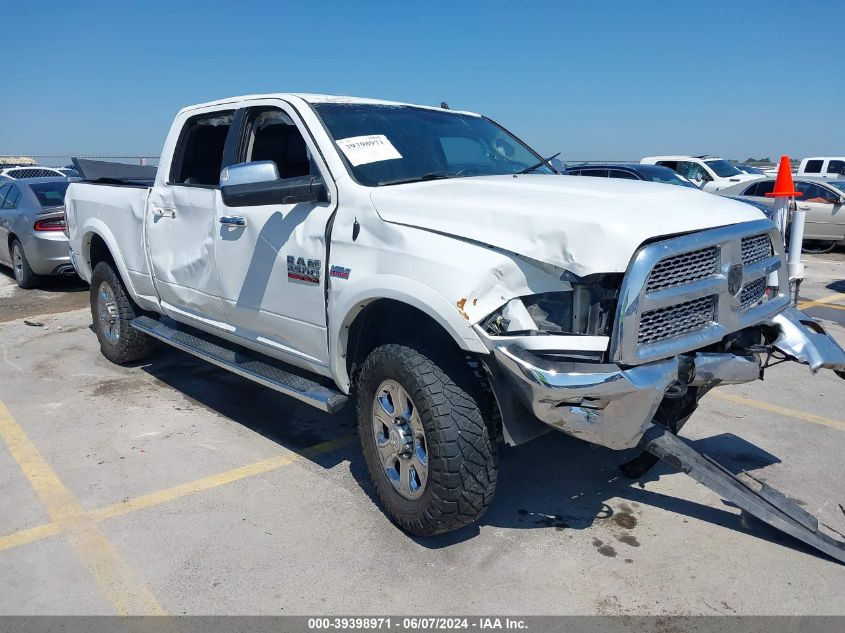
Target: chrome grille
x,y
675,296
756,248
683,269
752,293
665,323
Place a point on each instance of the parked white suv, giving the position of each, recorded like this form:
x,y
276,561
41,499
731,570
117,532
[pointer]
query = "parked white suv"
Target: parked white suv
x,y
710,173
823,167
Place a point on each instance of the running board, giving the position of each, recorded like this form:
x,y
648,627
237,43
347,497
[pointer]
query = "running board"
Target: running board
x,y
244,363
762,501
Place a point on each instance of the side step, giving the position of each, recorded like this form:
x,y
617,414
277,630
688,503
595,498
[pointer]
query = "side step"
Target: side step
x,y
762,501
244,363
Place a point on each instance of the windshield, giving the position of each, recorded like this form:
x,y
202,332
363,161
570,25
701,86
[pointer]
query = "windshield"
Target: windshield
x,y
50,194
722,168
386,145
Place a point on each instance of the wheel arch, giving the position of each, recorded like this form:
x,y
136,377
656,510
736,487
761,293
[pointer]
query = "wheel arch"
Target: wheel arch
x,y
389,310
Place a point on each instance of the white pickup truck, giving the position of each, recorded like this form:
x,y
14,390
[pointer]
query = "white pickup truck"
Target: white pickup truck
x,y
432,266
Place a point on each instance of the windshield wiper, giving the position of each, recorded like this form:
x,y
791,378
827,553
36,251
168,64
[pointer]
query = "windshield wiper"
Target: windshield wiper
x,y
545,161
431,176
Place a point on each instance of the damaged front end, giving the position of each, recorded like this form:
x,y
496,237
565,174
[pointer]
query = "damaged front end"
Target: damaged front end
x,y
626,365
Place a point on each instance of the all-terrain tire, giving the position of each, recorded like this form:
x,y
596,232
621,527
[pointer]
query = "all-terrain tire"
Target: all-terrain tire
x,y
460,435
122,343
23,273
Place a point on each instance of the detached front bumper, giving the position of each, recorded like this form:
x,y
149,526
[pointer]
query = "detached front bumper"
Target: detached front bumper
x,y
612,406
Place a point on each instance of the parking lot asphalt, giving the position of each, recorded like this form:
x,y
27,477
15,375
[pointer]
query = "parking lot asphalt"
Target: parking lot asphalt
x,y
175,487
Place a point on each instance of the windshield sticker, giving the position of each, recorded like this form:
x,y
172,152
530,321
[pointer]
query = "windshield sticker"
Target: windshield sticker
x,y
305,270
361,150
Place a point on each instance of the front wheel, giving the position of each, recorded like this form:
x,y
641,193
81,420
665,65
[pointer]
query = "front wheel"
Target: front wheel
x,y
428,444
113,310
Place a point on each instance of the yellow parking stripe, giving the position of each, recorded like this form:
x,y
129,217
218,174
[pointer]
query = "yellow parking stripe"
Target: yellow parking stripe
x,y
28,536
120,586
814,302
214,481
176,492
820,304
774,408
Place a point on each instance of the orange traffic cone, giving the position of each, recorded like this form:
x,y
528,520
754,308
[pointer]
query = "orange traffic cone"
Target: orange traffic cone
x,y
784,187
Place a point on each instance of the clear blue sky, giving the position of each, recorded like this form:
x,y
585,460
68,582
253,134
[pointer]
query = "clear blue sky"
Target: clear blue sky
x,y
593,79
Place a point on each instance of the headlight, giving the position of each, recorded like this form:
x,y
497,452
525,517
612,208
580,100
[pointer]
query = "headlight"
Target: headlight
x,y
586,308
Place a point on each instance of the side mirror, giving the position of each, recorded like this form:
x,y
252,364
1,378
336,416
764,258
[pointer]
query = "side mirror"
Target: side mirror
x,y
258,183
841,200
249,173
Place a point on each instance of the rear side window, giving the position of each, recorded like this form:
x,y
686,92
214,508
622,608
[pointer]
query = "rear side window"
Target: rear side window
x,y
752,190
671,164
813,167
600,173
12,198
836,167
198,158
762,188
3,191
618,173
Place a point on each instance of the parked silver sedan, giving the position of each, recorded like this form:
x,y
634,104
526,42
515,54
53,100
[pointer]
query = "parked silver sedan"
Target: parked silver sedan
x,y
823,201
32,229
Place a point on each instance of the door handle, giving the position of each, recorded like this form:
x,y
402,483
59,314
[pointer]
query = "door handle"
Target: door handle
x,y
232,220
804,207
160,212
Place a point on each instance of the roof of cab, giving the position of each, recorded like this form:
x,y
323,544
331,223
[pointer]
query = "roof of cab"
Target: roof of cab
x,y
315,99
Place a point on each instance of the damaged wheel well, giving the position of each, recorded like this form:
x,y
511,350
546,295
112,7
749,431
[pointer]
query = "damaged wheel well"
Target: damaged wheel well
x,y
388,321
98,251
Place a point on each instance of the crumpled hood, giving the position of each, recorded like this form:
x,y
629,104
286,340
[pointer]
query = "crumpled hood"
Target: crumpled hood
x,y
585,225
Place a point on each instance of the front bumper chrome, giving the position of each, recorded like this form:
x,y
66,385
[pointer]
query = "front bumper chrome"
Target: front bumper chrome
x,y
603,403
804,340
610,405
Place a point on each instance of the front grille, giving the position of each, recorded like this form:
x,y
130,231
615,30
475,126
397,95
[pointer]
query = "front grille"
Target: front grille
x,y
684,318
756,248
683,269
752,293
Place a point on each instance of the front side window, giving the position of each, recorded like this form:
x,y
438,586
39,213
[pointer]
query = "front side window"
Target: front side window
x,y
4,190
722,168
811,192
199,155
813,167
693,171
50,194
836,167
387,145
274,136
596,173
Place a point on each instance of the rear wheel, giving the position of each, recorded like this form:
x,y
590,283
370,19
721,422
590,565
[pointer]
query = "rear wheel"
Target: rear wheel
x,y
20,265
113,310
429,447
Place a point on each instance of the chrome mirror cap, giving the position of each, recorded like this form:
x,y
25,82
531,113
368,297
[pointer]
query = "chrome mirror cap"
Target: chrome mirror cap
x,y
249,173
